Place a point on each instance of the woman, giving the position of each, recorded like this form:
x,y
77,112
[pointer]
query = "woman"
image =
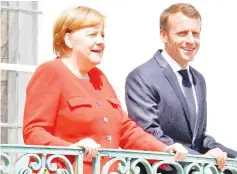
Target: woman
x,y
69,102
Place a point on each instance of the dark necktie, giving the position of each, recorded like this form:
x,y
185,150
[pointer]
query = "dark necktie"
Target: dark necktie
x,y
188,93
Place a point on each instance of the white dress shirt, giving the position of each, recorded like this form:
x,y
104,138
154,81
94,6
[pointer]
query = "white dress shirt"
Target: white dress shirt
x,y
176,67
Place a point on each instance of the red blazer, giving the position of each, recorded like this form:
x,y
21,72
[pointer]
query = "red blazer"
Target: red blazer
x,y
62,109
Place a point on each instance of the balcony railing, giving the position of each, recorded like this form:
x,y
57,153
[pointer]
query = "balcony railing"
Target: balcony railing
x,y
15,159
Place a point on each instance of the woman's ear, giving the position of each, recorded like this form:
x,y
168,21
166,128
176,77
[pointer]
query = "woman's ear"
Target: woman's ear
x,y
68,40
163,35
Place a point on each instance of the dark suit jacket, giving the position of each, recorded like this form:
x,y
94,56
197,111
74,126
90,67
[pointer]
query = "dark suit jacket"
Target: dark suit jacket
x,y
155,101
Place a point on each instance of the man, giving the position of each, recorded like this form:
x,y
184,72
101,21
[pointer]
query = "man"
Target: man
x,y
166,96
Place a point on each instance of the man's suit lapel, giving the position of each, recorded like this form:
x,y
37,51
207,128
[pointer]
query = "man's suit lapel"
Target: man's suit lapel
x,y
197,85
169,73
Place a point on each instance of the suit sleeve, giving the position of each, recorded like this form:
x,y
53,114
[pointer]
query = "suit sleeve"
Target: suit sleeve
x,y
133,137
143,106
41,107
209,142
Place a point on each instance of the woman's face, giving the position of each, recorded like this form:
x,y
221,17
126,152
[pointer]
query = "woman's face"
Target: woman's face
x,y
88,43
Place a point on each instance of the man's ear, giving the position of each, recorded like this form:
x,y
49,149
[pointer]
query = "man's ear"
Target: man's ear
x,y
163,35
68,40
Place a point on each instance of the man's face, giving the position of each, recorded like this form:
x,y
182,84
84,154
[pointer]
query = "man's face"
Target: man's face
x,y
182,38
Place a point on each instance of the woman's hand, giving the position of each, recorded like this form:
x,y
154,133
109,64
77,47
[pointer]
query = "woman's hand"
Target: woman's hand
x,y
90,146
180,151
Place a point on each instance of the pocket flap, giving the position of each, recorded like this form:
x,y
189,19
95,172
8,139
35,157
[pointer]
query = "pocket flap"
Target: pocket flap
x,y
79,101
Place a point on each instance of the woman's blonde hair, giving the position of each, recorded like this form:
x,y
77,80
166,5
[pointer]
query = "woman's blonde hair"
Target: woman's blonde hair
x,y
70,20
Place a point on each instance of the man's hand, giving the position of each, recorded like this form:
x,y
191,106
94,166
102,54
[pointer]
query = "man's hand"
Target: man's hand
x,y
180,151
90,146
220,156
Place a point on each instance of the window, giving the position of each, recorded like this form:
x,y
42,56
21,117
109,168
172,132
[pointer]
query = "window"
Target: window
x,y
19,28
